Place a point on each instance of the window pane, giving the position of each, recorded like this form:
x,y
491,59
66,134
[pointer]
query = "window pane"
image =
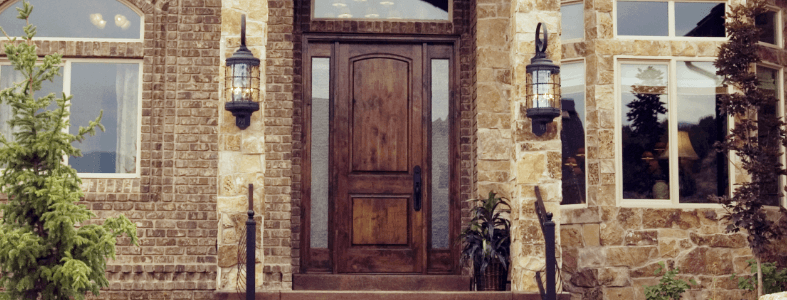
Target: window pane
x,y
319,151
699,19
441,169
113,88
382,9
702,171
767,23
645,131
572,135
85,19
642,18
769,84
572,21
9,76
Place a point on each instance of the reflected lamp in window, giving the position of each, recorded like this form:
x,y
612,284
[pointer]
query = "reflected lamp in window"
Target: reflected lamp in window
x,y
382,9
572,134
88,19
702,172
769,84
572,21
768,22
645,130
667,140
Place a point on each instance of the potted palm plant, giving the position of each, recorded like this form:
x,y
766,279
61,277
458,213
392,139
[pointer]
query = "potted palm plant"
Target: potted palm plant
x,y
487,243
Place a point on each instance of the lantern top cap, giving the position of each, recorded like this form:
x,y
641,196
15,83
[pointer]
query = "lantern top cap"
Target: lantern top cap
x,y
540,60
243,55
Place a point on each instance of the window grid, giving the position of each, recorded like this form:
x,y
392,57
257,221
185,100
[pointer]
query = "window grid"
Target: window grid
x,y
672,92
670,21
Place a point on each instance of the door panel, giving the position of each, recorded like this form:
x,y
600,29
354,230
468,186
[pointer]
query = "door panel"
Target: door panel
x,y
380,221
378,130
380,106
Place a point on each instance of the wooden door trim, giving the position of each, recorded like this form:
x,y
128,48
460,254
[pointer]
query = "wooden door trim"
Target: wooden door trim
x,y
330,42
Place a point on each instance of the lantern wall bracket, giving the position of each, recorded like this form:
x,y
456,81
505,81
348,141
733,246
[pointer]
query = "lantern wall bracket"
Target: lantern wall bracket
x,y
541,116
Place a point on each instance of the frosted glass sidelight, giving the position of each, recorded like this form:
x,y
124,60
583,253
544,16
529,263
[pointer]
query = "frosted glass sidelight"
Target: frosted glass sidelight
x,y
319,152
441,145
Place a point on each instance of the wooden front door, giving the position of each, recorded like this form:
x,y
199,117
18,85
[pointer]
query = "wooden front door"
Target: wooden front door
x,y
379,150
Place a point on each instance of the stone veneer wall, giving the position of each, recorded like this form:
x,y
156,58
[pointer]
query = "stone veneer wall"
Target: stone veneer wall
x,y
536,161
610,252
241,152
173,202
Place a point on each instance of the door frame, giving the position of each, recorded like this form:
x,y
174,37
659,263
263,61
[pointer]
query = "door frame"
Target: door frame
x,y
320,261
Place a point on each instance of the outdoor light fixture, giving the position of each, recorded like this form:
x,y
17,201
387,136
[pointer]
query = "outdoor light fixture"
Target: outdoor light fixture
x,y
543,86
242,85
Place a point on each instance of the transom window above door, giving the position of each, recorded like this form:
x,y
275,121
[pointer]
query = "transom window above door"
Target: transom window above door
x,y
382,9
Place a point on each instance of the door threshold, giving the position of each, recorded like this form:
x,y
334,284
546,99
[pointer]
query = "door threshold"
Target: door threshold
x,y
393,282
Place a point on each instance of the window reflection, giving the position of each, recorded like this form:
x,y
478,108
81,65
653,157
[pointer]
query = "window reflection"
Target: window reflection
x,y
8,77
769,84
699,19
86,19
382,9
766,22
572,21
642,18
572,134
702,171
645,131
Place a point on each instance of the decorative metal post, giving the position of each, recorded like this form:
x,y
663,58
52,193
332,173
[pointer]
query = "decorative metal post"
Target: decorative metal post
x,y
551,262
548,229
251,239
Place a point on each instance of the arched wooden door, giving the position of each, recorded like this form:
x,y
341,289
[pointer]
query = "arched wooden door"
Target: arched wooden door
x,y
371,133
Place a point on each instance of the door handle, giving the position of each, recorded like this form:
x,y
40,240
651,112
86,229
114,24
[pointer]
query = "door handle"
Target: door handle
x,y
417,188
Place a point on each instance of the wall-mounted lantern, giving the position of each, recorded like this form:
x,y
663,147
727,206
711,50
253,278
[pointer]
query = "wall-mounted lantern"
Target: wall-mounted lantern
x,y
242,85
543,86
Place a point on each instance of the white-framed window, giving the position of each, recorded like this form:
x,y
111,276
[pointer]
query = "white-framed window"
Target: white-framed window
x,y
573,133
667,124
769,22
65,20
108,85
111,86
771,80
572,21
669,19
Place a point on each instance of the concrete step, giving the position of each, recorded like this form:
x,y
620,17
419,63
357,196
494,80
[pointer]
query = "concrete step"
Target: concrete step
x,y
385,295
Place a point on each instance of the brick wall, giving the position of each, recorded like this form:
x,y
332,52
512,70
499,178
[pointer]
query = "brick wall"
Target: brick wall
x,y
173,202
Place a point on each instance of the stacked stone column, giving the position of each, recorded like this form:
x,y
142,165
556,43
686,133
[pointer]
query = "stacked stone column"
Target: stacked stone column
x,y
535,159
241,152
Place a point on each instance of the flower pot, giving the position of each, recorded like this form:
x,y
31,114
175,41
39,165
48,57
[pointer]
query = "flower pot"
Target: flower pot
x,y
493,278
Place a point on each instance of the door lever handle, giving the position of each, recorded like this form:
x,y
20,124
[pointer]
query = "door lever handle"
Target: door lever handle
x,y
417,188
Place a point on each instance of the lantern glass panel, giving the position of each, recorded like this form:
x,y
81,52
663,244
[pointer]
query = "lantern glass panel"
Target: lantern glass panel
x,y
543,86
242,83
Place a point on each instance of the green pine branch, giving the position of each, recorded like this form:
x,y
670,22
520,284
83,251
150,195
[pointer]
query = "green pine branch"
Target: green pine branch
x,y
46,251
